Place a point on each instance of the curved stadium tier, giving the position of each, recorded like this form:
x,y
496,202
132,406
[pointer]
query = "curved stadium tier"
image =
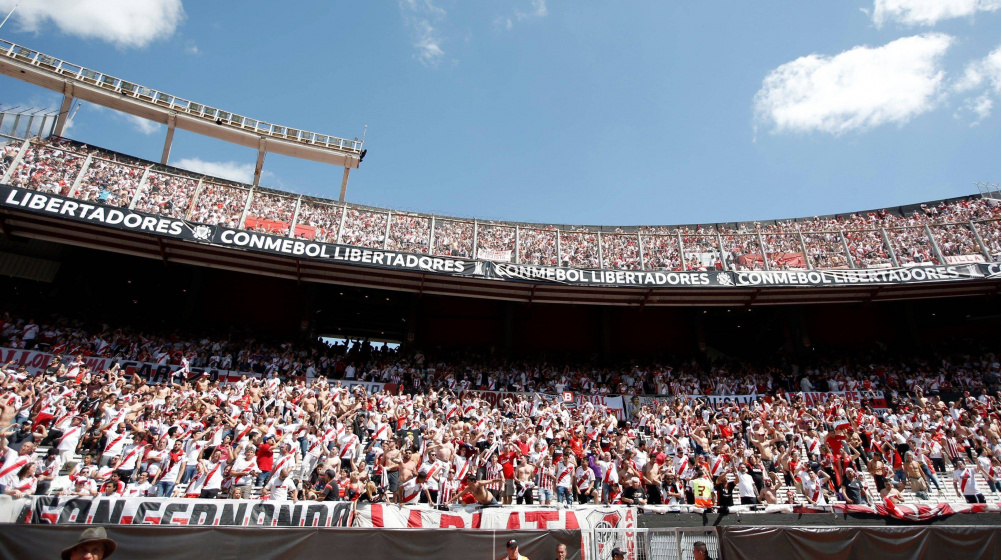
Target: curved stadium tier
x,y
937,241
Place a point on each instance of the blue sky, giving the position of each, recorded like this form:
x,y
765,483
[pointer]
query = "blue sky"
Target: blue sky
x,y
578,112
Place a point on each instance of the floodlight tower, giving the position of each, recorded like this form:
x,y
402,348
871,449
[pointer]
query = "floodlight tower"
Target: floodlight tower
x,y
78,82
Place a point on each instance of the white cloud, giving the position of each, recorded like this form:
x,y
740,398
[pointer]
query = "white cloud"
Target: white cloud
x,y
232,170
928,12
144,126
124,23
421,18
981,77
428,43
858,89
190,47
537,10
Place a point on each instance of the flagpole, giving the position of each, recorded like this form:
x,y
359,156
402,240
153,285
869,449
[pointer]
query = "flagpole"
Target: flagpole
x,y
8,15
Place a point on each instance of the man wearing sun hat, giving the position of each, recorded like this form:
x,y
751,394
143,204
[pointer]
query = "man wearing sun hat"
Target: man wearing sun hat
x,y
93,544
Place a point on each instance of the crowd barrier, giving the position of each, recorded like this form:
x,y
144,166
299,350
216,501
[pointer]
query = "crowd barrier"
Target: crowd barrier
x,y
267,513
255,543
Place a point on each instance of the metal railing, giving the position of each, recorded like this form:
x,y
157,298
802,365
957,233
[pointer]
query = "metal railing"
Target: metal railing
x,y
182,106
668,543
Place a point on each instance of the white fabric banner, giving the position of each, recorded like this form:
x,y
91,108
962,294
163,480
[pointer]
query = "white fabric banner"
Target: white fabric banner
x,y
392,516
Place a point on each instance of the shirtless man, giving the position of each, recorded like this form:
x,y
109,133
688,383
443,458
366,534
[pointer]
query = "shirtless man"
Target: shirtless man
x,y
523,481
478,489
651,477
391,462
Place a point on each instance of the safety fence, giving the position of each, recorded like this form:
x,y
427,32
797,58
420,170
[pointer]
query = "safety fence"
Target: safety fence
x,y
674,543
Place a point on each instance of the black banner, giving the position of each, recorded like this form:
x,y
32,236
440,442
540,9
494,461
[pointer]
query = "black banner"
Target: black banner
x,y
129,220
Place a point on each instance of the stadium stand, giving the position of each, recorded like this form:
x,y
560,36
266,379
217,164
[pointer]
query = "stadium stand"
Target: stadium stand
x,y
955,231
749,434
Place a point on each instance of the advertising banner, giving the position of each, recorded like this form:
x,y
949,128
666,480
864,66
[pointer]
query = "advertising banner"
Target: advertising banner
x,y
956,269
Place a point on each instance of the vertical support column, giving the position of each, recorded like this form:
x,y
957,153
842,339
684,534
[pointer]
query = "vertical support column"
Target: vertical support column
x,y
79,178
340,224
981,242
598,239
64,108
517,255
169,141
194,200
260,162
935,246
19,158
140,189
31,122
723,258
295,217
386,234
560,261
475,239
803,247
845,245
17,120
431,237
344,184
761,248
890,250
681,251
640,249
247,203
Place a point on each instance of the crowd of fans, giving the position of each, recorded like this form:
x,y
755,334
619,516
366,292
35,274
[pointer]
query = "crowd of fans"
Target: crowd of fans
x,y
409,233
167,195
219,205
270,213
861,240
453,239
579,248
321,221
293,429
495,241
620,251
109,182
364,228
537,246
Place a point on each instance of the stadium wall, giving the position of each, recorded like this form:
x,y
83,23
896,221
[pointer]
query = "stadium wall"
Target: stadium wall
x,y
238,543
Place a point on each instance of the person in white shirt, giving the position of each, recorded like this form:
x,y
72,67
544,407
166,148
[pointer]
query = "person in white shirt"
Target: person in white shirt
x,y
585,480
212,476
140,487
746,486
965,483
12,463
244,470
70,438
281,487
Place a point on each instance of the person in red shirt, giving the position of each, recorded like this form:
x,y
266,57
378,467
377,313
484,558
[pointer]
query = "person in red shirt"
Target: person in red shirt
x,y
507,459
265,461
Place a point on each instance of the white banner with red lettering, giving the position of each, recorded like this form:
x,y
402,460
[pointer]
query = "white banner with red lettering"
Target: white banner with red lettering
x,y
509,517
585,518
392,516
